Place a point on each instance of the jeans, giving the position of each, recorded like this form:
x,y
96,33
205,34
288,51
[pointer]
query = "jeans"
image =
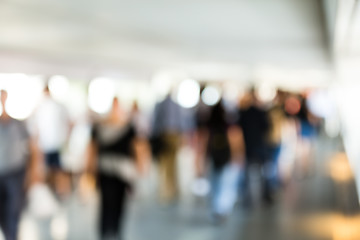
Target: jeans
x,y
271,167
224,184
11,202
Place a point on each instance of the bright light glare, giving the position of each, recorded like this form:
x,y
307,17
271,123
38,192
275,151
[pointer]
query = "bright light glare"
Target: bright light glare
x,y
23,94
101,93
231,91
266,93
210,95
188,93
321,104
59,86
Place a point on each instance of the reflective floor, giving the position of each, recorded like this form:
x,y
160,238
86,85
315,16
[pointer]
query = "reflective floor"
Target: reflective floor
x,y
316,206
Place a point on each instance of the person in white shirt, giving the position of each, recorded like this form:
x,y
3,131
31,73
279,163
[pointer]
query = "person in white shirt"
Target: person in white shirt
x,y
52,129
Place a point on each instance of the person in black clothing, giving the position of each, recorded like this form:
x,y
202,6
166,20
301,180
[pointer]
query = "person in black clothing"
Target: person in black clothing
x,y
218,151
201,117
112,145
255,125
218,144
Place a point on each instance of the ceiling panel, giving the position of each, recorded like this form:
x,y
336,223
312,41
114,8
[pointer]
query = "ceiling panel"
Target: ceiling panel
x,y
150,35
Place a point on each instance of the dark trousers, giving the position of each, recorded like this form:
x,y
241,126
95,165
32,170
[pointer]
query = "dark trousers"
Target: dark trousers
x,y
257,158
266,190
11,202
112,206
52,160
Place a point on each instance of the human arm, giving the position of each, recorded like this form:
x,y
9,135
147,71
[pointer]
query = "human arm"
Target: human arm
x,y
35,171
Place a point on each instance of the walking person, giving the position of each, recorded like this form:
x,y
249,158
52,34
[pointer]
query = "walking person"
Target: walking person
x,y
19,163
255,125
52,130
168,126
111,154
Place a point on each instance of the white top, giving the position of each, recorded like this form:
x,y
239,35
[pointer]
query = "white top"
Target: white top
x,y
52,124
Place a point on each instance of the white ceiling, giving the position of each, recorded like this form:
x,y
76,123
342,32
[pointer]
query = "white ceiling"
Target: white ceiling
x,y
137,38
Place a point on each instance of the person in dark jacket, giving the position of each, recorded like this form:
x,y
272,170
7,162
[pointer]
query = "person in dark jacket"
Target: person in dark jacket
x,y
219,155
253,120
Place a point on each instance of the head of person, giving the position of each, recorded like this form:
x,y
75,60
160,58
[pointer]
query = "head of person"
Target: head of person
x,y
115,104
3,96
46,90
252,93
247,99
116,108
135,106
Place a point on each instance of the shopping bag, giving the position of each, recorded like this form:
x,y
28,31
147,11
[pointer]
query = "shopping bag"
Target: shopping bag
x,y
41,201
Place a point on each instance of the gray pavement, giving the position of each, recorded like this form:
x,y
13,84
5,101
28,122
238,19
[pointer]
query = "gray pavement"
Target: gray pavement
x,y
314,207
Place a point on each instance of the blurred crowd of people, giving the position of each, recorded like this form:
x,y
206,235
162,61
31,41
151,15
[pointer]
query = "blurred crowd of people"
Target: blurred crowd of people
x,y
230,141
